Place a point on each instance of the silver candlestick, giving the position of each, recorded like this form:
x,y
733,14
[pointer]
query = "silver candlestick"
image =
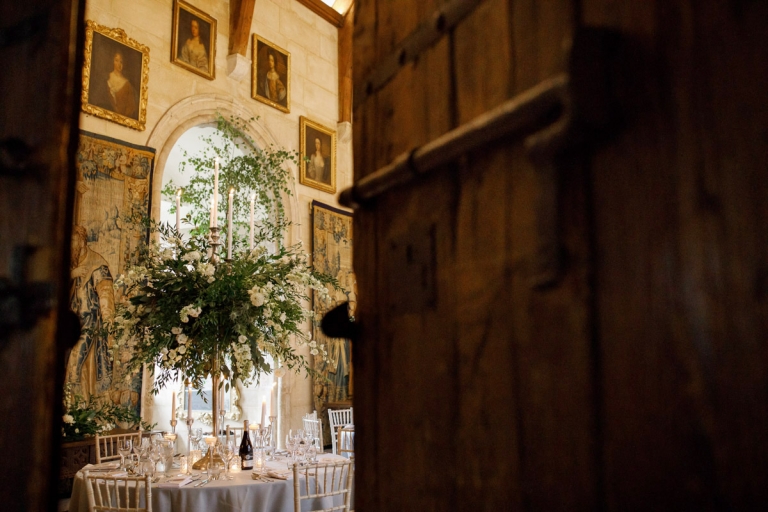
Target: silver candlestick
x,y
190,421
215,243
174,421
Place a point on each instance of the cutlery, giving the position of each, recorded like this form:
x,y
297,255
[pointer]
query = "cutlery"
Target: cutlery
x,y
203,482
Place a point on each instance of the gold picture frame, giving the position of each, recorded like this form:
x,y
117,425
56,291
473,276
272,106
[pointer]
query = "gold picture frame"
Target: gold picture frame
x,y
118,95
195,56
317,170
271,74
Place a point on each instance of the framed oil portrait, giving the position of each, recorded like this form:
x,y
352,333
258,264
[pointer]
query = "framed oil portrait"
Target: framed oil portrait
x,y
115,76
317,147
271,74
193,40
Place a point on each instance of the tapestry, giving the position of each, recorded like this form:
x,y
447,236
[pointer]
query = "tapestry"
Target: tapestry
x,y
332,254
113,184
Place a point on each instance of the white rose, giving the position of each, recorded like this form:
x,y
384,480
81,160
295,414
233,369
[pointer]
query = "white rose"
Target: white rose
x,y
242,339
68,419
182,349
182,338
176,330
314,352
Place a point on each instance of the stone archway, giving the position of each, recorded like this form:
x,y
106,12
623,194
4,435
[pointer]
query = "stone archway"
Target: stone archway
x,y
202,109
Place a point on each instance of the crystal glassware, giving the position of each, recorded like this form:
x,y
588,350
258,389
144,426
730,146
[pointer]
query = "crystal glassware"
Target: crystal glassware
x,y
124,448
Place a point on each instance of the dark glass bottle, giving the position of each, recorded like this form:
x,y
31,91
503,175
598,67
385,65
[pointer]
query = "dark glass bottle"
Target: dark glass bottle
x,y
246,449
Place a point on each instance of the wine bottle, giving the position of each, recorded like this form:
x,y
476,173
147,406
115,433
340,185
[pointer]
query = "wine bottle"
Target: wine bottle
x,y
246,449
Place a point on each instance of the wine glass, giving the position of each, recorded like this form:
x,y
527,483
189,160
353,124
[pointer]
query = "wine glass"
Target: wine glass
x,y
124,447
230,451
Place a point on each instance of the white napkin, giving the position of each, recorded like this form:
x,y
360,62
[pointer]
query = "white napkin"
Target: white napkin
x,y
176,481
280,475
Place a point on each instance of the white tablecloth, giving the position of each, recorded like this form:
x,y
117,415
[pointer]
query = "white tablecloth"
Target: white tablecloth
x,y
241,494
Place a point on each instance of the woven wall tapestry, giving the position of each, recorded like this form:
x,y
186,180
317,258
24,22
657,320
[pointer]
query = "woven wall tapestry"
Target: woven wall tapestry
x,y
114,181
332,254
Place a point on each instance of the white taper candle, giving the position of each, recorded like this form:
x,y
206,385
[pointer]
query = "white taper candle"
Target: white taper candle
x,y
229,223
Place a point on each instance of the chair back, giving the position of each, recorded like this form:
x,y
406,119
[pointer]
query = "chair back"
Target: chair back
x,y
346,442
315,426
118,494
323,485
234,434
106,446
337,419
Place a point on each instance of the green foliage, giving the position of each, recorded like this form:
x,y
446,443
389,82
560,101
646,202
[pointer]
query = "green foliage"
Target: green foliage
x,y
259,171
85,418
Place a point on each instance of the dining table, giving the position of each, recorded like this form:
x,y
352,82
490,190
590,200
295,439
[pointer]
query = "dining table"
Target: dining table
x,y
239,494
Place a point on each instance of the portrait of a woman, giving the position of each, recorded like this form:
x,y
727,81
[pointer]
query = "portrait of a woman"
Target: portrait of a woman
x,y
115,78
317,167
271,74
193,52
193,44
122,94
317,145
273,86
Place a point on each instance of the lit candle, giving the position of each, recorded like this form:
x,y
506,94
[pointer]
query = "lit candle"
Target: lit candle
x,y
250,236
273,400
263,413
173,406
189,401
215,190
178,211
229,223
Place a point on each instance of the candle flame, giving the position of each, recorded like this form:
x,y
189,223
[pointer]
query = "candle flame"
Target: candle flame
x,y
232,191
178,193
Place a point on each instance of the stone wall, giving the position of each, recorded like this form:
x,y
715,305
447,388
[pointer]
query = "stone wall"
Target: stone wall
x,y
179,99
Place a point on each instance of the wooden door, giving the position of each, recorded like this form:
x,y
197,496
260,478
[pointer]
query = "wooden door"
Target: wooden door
x,y
637,378
38,127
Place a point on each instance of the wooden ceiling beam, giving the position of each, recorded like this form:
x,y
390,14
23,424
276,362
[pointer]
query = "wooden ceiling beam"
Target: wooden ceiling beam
x,y
329,14
240,17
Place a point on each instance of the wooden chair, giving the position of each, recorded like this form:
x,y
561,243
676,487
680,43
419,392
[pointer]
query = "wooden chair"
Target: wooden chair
x,y
315,426
106,446
338,418
237,434
323,481
346,442
118,494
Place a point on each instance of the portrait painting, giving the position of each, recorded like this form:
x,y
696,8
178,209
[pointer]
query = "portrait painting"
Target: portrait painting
x,y
193,43
115,76
271,74
332,255
113,183
317,146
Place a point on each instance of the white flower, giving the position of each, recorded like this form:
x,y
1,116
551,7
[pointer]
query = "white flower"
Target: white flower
x,y
164,351
182,349
77,431
314,352
167,254
191,256
211,279
182,339
176,330
172,354
242,339
313,344
257,299
68,419
208,270
282,317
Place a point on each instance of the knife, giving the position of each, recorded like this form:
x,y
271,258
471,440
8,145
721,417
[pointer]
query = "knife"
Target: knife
x,y
203,482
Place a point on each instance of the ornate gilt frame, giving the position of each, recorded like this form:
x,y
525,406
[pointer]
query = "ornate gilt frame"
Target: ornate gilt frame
x,y
303,178
254,67
181,4
119,35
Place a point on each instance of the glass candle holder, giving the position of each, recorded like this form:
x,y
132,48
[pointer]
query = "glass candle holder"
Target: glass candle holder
x,y
194,456
259,461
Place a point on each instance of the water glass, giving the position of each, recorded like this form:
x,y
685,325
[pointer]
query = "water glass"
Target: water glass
x,y
124,448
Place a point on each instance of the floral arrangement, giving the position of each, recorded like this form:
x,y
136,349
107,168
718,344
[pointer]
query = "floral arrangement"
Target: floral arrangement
x,y
186,315
182,310
85,418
